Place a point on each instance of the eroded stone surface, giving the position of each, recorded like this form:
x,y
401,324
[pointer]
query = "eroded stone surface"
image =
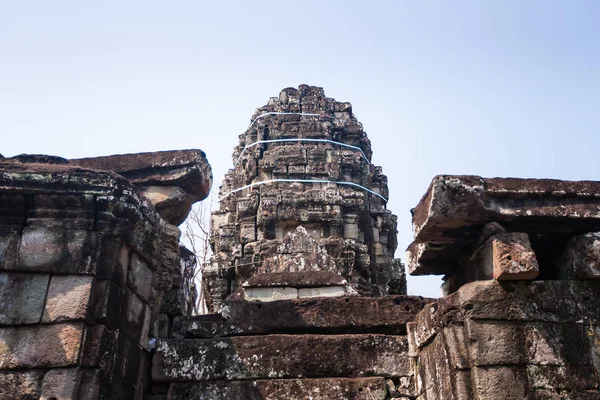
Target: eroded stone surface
x,y
61,384
171,180
303,219
281,356
581,257
277,389
21,385
449,219
352,315
54,345
22,297
68,298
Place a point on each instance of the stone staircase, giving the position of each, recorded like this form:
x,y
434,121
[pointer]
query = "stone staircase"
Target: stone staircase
x,y
319,348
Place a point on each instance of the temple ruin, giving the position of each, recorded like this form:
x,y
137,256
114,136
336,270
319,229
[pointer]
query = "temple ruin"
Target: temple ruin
x,y
306,298
303,198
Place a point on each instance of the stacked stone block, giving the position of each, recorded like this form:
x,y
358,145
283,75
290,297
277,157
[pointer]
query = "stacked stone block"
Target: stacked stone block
x,y
84,263
520,316
320,348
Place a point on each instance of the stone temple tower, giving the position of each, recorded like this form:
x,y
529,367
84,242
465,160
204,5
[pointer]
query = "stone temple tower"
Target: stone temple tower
x,y
303,206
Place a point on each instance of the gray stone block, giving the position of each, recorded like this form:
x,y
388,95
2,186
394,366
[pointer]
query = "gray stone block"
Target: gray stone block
x,y
22,297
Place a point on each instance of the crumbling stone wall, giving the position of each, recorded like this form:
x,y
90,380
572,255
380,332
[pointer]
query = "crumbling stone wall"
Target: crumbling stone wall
x,y
301,163
85,262
521,262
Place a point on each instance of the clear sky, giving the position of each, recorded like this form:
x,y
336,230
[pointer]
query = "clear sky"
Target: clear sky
x,y
503,88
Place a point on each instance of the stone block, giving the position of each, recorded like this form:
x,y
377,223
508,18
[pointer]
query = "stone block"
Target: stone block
x,y
500,382
266,294
140,278
172,203
106,303
128,360
99,347
187,169
199,326
9,247
57,250
581,258
388,314
68,297
513,258
455,387
496,343
324,291
22,297
135,320
560,377
61,384
277,389
441,362
281,356
40,346
21,385
557,344
113,260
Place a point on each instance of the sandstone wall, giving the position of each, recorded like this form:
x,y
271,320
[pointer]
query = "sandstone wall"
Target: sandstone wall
x,y
84,264
521,259
320,348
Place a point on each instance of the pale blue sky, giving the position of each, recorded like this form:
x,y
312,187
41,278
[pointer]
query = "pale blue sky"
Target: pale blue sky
x,y
505,88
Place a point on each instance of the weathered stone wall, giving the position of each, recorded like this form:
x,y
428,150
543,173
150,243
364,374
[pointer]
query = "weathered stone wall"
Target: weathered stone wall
x,y
318,348
84,264
313,154
521,262
509,340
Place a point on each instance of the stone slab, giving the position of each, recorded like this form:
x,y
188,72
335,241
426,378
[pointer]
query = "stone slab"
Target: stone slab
x,y
277,389
22,297
281,356
451,215
327,291
319,315
302,279
266,294
55,345
188,169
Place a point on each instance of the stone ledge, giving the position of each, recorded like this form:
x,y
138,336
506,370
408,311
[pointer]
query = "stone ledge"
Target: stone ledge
x,y
281,356
387,314
448,220
277,389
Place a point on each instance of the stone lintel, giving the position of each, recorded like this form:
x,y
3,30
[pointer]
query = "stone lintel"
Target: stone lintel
x,y
450,217
187,169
